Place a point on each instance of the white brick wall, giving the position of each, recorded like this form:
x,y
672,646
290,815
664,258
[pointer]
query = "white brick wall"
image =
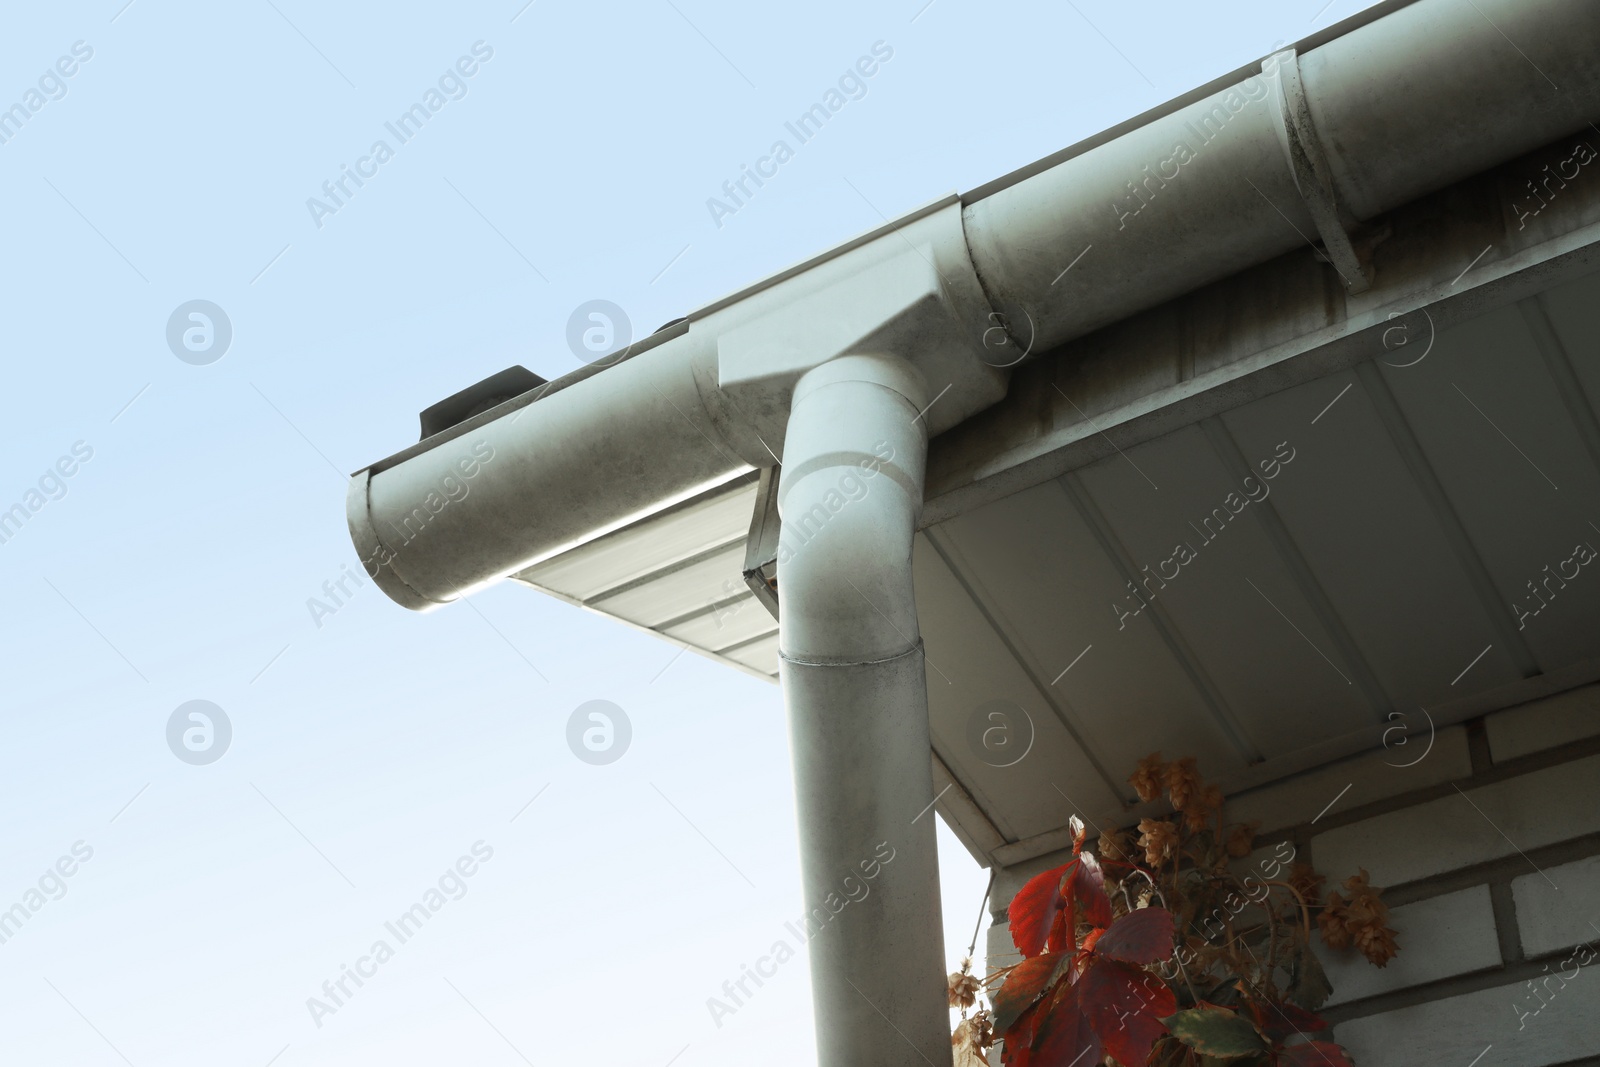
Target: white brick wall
x,y
1001,951
1559,908
1440,937
1544,724
1454,1032
1372,777
1487,823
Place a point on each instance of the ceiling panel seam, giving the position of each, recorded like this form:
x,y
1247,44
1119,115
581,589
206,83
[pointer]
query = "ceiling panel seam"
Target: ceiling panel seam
x,y
1121,561
738,646
1064,712
742,668
699,556
1558,362
1427,480
705,609
1305,579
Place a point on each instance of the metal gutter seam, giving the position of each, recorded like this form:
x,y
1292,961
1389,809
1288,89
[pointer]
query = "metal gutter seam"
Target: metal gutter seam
x,y
1313,174
802,661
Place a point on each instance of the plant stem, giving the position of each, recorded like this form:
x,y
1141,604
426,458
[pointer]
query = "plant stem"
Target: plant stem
x,y
1305,911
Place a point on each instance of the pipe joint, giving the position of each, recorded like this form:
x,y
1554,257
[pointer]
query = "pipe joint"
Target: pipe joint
x,y
911,296
850,495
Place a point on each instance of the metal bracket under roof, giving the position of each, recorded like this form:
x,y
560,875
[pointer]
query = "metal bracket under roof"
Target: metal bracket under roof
x,y
761,547
1313,176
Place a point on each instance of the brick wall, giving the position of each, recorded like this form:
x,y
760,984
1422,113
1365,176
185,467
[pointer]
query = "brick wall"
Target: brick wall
x,y
1489,851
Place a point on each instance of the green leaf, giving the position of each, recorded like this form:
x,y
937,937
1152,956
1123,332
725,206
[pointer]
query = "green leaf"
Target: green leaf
x,y
1308,983
1216,1032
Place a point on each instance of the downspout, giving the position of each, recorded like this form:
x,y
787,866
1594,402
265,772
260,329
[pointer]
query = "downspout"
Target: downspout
x,y
855,690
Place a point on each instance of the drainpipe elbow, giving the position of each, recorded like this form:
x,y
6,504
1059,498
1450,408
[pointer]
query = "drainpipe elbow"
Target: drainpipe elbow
x,y
850,495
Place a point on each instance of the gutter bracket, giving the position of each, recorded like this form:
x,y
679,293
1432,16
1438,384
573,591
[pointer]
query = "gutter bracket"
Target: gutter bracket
x,y
761,546
1313,176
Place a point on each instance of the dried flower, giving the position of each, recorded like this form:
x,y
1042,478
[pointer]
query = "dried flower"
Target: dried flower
x,y
1330,920
1203,805
1147,781
1359,884
971,1038
1377,943
1159,839
1307,882
1241,839
1115,846
1366,920
962,989
1183,783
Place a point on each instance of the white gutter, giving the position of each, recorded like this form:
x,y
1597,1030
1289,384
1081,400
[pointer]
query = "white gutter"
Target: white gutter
x,y
824,362
1430,94
1409,103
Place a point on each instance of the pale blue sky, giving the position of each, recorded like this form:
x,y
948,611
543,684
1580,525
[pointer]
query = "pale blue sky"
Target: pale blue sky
x,y
370,753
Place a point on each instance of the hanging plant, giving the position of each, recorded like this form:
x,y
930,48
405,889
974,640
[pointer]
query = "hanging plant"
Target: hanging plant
x,y
1152,951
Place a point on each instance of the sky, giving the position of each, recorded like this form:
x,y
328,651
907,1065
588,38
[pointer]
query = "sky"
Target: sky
x,y
188,884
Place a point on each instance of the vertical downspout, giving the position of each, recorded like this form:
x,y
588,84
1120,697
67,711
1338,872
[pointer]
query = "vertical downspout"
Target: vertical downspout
x,y
853,681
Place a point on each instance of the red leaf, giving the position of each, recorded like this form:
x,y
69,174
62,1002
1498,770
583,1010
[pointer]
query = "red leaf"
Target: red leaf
x,y
1087,886
1061,933
1021,988
1142,936
1125,1006
1314,1054
1017,1048
1065,1037
1132,988
1033,911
